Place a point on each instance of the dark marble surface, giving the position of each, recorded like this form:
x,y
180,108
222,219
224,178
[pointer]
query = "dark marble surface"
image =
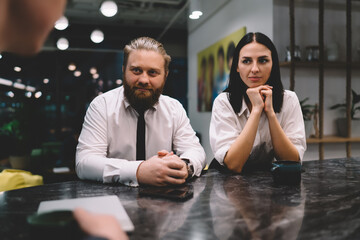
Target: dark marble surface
x,y
326,205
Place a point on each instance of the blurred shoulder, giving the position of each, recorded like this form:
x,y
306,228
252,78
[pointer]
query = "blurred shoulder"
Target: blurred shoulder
x,y
290,95
221,98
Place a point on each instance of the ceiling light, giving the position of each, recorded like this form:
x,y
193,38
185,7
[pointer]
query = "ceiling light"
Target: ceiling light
x,y
93,70
194,16
30,88
108,8
0,56
95,76
19,86
46,81
10,94
62,44
28,94
38,94
195,9
5,82
17,69
77,73
72,67
97,36
62,23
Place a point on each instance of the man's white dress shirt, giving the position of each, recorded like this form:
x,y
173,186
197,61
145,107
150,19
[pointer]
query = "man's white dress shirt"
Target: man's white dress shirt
x,y
107,143
226,126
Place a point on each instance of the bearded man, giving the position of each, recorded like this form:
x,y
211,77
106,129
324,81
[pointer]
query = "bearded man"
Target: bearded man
x,y
135,135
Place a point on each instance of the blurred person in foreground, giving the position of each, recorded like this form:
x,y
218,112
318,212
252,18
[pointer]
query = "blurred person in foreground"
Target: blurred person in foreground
x,y
25,24
24,27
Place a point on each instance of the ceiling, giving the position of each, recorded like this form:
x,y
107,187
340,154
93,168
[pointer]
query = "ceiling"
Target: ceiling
x,y
149,13
155,18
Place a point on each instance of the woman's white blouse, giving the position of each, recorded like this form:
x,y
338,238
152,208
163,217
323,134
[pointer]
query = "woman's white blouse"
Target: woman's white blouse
x,y
226,125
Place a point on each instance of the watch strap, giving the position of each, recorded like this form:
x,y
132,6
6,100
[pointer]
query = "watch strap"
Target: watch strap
x,y
190,167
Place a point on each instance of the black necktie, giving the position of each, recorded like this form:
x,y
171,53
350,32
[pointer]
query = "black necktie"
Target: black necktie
x,y
140,137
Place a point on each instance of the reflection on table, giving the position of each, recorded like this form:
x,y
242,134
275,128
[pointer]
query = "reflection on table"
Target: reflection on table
x,y
325,205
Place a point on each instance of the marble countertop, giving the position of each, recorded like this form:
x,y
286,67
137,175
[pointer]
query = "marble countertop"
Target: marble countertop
x,y
325,205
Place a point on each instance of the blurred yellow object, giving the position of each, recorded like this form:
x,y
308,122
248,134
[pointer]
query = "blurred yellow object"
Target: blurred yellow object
x,y
206,167
11,179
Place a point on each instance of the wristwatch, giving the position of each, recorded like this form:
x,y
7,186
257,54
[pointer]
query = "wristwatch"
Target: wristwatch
x,y
190,167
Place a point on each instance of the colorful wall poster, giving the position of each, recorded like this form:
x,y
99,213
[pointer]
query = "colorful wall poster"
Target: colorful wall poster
x,y
214,63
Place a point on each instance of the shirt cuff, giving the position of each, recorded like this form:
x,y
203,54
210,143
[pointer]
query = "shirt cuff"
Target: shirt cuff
x,y
196,165
125,174
301,152
220,154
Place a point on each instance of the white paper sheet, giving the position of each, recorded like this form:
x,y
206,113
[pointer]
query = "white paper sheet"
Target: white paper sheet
x,y
104,204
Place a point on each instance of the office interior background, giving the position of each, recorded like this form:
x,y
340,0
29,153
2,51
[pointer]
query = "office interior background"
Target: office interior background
x,y
51,91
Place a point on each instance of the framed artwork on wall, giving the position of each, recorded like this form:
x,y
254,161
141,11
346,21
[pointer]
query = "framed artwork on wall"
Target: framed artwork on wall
x,y
213,68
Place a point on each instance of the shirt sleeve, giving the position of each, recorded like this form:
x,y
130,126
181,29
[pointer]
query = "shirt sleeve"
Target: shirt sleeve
x,y
293,122
224,128
92,162
185,142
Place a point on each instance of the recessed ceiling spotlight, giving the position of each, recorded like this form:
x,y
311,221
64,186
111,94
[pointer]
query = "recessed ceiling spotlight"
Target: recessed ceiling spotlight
x,y
108,8
46,81
10,94
28,94
77,73
62,23
93,70
95,76
17,69
97,36
72,67
62,44
38,94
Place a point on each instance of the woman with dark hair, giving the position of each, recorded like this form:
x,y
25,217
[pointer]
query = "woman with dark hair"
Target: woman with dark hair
x,y
255,120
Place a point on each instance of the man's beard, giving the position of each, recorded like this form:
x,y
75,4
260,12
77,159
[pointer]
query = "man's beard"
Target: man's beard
x,y
141,101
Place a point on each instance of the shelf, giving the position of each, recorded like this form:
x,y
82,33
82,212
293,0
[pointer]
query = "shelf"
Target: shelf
x,y
355,65
311,4
343,66
332,139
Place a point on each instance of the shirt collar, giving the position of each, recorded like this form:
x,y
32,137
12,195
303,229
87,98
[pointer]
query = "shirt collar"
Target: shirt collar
x,y
244,108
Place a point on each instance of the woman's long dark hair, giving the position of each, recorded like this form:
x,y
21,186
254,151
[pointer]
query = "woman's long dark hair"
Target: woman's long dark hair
x,y
237,88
